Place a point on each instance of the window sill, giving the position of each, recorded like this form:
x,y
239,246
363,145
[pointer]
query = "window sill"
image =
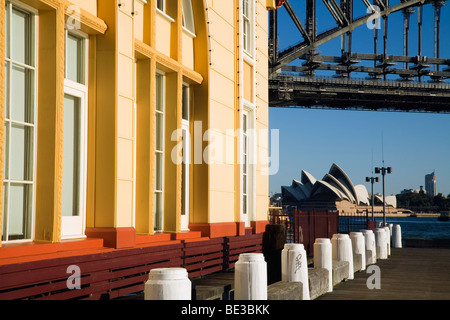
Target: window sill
x,y
164,15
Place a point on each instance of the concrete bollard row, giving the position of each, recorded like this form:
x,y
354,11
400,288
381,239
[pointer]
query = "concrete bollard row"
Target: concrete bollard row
x,y
294,266
251,269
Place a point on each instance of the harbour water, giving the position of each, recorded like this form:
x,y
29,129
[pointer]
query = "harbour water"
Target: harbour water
x,y
421,227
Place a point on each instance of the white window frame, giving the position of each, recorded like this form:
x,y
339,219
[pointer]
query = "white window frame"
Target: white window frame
x,y
159,220
34,40
186,161
79,90
249,214
249,45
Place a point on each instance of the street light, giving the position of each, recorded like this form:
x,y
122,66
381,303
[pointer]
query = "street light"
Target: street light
x,y
383,171
372,180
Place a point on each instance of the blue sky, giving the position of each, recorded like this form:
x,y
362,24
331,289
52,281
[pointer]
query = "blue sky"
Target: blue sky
x,y
414,144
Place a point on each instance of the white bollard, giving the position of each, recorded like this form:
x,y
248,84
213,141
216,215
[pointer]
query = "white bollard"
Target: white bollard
x,y
369,238
381,244
359,246
294,266
250,277
168,284
323,258
342,251
388,239
396,236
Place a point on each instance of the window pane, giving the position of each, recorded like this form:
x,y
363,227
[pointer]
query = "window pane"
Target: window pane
x,y
244,204
188,16
6,160
5,212
159,171
159,93
160,5
21,153
20,94
185,103
7,90
159,132
158,211
74,59
7,23
71,157
20,36
19,217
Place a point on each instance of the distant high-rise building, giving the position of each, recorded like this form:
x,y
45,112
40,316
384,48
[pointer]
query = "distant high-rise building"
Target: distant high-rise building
x,y
430,184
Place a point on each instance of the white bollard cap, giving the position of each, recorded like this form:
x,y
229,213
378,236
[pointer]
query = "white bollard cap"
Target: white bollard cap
x,y
322,240
367,231
340,236
251,257
355,234
294,246
168,274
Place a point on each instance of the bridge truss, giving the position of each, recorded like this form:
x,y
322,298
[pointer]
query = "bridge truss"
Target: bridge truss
x,y
361,80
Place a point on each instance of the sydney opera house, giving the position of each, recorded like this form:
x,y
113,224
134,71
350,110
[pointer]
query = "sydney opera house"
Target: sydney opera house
x,y
335,192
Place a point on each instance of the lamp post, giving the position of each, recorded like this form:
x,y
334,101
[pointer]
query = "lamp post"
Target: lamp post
x,y
383,171
372,180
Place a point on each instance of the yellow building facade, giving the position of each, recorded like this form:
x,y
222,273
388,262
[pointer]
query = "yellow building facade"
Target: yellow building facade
x,y
127,118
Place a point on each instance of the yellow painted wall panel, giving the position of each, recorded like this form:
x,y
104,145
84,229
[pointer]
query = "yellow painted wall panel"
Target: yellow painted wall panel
x,y
223,206
125,39
248,82
222,177
188,49
221,89
221,31
225,9
124,204
124,159
125,119
163,25
222,117
139,21
222,60
262,88
125,76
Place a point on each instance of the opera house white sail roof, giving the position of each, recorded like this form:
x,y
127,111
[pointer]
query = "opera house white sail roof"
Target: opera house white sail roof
x,y
335,185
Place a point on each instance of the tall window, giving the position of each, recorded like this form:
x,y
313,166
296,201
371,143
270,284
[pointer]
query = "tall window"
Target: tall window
x,y
247,165
186,160
159,153
188,16
247,17
245,162
20,130
75,113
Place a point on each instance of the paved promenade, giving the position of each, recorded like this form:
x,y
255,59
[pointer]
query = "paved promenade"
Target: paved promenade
x,y
408,274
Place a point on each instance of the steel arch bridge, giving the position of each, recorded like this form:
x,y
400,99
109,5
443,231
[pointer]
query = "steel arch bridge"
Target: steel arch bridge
x,y
366,80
